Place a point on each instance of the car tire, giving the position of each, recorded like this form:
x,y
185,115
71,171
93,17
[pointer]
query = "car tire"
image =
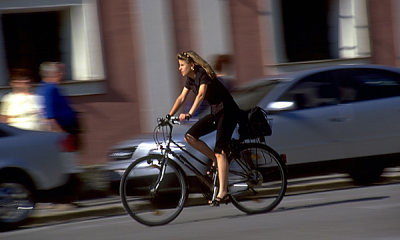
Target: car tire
x,y
16,203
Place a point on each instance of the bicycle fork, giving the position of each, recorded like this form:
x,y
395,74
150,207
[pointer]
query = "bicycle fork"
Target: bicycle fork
x,y
160,177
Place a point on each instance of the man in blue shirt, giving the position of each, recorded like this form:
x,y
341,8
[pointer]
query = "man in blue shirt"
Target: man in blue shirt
x,y
57,112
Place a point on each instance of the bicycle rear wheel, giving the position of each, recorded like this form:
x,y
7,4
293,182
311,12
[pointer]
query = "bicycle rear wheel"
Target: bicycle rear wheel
x,y
257,178
147,199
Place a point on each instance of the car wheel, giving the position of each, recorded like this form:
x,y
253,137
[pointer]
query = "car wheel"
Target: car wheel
x,y
16,203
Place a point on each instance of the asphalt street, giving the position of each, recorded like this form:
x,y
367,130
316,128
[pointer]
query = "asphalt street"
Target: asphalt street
x,y
364,212
47,214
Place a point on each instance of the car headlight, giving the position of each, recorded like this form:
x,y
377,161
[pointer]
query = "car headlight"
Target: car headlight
x,y
122,154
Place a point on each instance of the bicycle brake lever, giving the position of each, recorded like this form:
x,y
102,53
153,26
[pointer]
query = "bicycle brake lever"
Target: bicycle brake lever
x,y
175,120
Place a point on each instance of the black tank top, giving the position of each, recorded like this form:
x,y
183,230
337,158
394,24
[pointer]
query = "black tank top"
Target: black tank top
x,y
217,95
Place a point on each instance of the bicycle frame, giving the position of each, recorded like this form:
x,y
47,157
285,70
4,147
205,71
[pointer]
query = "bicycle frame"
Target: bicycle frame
x,y
249,192
210,183
166,151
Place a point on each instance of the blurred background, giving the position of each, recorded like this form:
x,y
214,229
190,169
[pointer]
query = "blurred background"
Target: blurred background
x,y
120,55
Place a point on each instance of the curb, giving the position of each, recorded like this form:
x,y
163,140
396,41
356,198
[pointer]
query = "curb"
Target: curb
x,y
78,213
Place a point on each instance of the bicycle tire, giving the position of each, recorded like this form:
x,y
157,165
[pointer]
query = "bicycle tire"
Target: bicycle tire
x,y
257,179
149,207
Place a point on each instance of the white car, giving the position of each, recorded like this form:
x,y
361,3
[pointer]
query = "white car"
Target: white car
x,y
32,163
341,118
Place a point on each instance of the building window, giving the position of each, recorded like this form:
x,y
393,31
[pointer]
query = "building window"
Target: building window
x,y
305,30
59,30
324,29
31,38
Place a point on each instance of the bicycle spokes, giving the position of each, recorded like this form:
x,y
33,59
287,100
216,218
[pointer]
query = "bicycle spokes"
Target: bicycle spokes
x,y
153,192
257,179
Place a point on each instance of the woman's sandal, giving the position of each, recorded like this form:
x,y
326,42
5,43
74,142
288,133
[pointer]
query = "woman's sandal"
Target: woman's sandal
x,y
217,201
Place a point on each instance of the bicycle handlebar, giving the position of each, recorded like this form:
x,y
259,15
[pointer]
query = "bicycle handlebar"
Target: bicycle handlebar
x,y
164,127
166,121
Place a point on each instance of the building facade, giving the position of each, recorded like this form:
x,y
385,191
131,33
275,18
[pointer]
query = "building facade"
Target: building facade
x,y
122,71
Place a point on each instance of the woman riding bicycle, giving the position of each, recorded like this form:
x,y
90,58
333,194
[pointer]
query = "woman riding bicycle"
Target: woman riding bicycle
x,y
201,79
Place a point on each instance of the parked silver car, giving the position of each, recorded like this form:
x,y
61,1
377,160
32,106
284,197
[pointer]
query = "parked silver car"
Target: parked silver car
x,y
341,118
32,163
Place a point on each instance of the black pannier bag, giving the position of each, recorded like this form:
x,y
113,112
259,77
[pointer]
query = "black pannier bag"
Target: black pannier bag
x,y
254,124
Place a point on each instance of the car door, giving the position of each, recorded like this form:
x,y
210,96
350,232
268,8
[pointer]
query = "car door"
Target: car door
x,y
374,96
313,128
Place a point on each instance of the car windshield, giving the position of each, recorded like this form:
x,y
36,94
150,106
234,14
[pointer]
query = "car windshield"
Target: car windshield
x,y
250,95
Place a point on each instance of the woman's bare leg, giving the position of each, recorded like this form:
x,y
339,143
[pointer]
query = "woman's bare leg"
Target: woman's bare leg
x,y
219,158
201,147
223,171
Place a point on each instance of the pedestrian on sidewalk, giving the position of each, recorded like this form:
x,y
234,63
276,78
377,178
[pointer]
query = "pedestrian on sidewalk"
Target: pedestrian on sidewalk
x,y
20,108
57,112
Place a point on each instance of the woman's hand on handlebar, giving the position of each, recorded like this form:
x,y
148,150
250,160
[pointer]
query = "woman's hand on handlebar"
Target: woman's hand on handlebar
x,y
169,118
184,116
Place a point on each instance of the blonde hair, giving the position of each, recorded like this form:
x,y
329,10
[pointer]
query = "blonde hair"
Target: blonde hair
x,y
192,57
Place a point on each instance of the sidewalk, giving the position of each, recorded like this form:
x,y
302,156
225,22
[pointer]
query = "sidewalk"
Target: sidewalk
x,y
111,205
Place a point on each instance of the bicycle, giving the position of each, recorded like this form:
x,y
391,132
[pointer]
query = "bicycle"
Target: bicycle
x,y
154,188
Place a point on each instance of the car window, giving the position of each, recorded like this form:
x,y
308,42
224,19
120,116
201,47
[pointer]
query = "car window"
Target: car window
x,y
248,97
316,90
367,84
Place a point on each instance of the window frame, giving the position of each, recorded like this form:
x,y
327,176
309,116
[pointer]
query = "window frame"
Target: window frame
x,y
86,52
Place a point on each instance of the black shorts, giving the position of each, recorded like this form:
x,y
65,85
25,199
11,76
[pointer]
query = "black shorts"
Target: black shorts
x,y
223,122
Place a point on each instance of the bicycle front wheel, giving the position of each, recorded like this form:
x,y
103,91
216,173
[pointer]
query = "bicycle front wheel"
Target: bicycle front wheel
x,y
257,178
153,191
